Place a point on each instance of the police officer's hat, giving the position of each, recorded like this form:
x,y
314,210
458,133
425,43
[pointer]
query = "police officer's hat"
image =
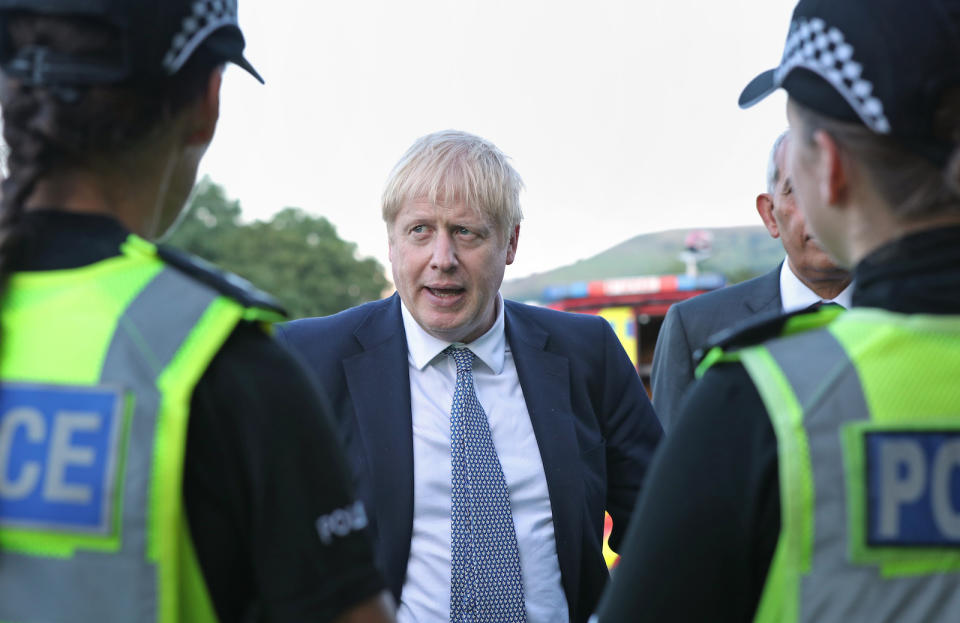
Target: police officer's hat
x,y
157,38
882,63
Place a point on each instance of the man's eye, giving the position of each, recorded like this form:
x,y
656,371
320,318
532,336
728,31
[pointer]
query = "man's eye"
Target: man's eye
x,y
417,229
463,231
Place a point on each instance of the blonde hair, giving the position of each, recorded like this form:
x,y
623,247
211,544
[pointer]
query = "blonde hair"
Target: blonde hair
x,y
456,166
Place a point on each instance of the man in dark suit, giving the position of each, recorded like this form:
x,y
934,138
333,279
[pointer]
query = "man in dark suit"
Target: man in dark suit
x,y
486,437
807,276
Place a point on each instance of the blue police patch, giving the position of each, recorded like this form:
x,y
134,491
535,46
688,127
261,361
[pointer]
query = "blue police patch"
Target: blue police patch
x,y
913,488
58,456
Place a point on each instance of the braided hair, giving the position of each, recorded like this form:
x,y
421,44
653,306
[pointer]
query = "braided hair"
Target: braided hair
x,y
51,129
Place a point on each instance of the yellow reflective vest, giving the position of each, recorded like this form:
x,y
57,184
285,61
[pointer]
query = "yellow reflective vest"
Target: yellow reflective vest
x,y
98,368
865,405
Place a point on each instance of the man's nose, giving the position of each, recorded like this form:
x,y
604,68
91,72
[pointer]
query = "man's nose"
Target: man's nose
x,y
444,257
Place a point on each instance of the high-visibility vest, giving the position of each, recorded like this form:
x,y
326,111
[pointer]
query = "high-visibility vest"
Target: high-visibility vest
x,y
865,405
98,368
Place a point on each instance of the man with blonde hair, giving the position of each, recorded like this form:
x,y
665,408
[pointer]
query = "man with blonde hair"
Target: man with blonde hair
x,y
486,437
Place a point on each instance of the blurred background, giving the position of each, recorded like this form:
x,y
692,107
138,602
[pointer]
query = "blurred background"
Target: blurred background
x,y
621,117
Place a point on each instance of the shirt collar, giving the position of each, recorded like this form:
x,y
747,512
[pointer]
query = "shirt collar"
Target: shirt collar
x,y
795,295
489,348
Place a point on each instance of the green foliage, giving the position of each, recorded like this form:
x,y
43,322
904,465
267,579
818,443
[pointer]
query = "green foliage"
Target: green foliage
x,y
296,257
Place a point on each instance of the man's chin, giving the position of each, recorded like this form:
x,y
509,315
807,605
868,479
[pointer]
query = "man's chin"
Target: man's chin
x,y
447,327
827,271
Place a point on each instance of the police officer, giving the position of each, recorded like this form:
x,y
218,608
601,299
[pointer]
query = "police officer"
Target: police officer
x,y
815,473
161,458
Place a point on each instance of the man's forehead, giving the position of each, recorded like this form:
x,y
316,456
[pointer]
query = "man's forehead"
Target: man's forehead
x,y
425,206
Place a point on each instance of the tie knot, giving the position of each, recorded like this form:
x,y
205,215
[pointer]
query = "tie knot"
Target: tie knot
x,y
463,358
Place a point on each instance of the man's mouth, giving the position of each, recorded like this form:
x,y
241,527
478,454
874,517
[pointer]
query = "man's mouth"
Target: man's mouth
x,y
446,291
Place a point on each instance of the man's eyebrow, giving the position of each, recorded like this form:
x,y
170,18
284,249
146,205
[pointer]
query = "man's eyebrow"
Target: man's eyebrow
x,y
414,216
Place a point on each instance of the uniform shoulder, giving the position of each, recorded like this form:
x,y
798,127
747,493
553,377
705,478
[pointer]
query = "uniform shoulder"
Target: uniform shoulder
x,y
764,327
224,282
749,332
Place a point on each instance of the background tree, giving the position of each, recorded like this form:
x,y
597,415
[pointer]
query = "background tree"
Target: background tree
x,y
296,257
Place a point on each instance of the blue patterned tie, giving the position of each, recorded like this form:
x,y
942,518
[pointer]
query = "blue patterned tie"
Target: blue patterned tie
x,y
485,579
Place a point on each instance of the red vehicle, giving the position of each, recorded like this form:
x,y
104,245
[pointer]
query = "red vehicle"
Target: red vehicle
x,y
634,306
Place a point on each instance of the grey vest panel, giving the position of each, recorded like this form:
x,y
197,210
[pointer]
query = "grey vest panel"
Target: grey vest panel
x,y
94,587
828,388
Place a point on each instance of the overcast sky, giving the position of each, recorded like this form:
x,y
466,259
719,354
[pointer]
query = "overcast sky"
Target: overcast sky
x,y
620,115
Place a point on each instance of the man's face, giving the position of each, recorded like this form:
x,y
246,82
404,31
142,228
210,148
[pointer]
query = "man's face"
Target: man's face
x,y
785,221
448,262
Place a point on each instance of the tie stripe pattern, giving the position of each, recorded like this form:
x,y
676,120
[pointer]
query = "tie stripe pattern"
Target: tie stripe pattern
x,y
485,583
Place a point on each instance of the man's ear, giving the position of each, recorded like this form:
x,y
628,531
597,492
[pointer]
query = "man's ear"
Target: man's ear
x,y
765,210
831,170
205,112
512,245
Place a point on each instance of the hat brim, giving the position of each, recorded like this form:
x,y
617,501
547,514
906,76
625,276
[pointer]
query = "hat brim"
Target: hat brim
x,y
243,63
758,89
228,44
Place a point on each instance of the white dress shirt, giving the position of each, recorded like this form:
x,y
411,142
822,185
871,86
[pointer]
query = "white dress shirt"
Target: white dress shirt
x,y
426,591
794,294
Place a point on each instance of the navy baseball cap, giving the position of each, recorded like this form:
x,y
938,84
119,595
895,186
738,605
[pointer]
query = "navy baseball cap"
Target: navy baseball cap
x,y
158,37
882,63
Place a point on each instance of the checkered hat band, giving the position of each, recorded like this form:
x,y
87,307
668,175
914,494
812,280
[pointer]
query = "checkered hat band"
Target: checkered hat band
x,y
206,17
824,50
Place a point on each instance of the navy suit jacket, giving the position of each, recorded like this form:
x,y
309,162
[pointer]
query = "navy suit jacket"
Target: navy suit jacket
x,y
593,422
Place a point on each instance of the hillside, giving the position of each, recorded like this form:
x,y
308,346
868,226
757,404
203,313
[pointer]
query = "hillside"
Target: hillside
x,y
738,253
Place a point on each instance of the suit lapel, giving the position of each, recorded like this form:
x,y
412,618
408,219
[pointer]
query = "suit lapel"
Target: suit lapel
x,y
545,380
767,296
379,383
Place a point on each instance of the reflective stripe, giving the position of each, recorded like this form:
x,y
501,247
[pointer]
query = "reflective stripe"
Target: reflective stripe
x,y
148,335
119,587
814,363
827,386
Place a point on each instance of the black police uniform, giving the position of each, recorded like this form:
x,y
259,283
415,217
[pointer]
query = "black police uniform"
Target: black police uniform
x,y
711,510
262,460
